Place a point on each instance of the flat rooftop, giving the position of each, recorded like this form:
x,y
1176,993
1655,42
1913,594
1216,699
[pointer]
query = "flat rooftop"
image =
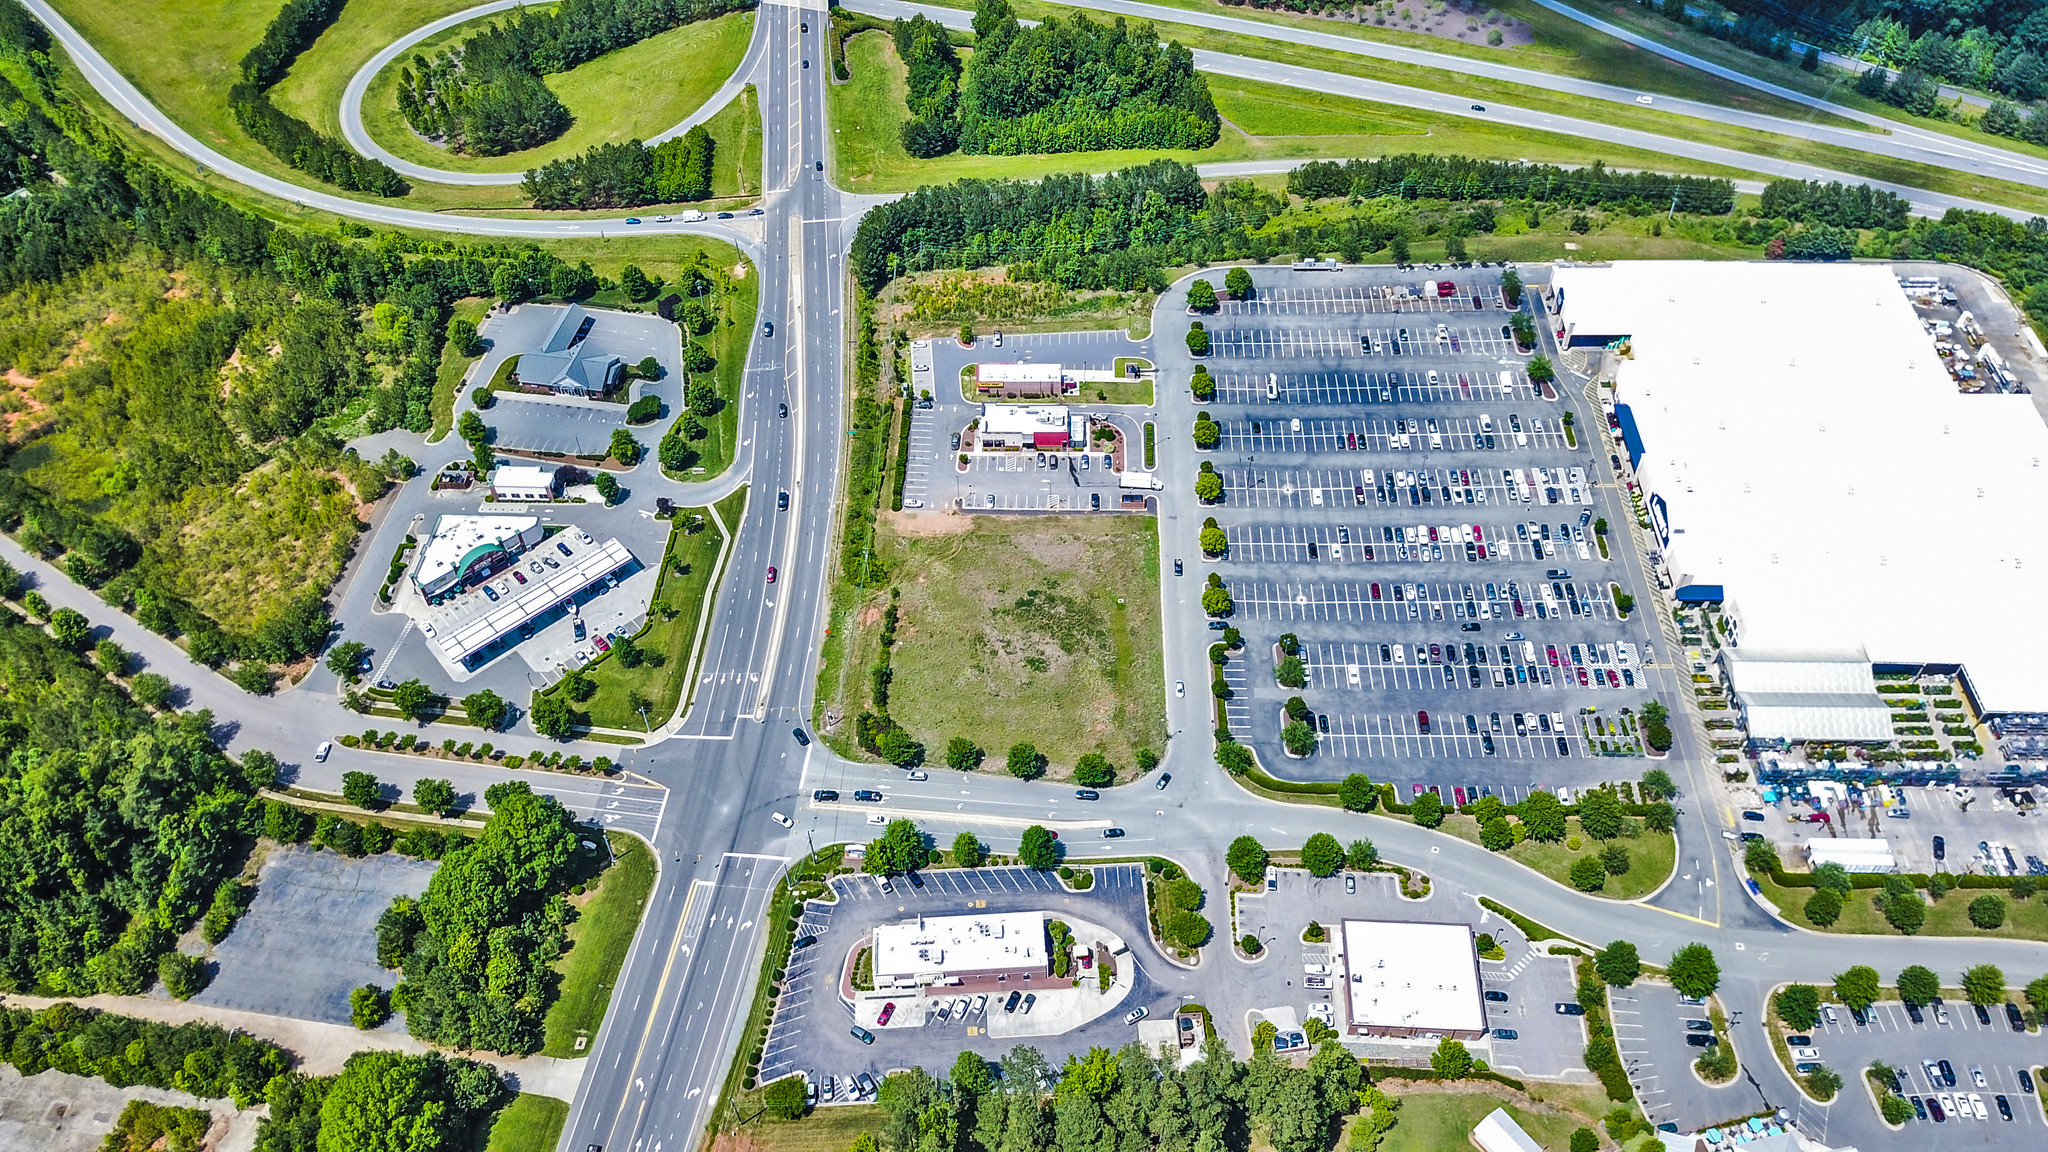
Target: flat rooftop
x,y
1808,453
459,540
540,595
947,944
1419,977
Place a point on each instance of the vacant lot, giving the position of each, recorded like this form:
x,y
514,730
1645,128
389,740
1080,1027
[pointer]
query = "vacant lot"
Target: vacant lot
x,y
1040,629
310,937
598,940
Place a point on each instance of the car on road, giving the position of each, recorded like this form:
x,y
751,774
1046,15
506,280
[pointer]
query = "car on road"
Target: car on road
x,y
782,410
920,774
1176,563
1165,778
824,795
767,327
771,573
320,753
863,1035
1135,1015
867,795
1479,107
779,818
1112,833
1087,794
1180,688
803,738
1567,1008
632,219
782,501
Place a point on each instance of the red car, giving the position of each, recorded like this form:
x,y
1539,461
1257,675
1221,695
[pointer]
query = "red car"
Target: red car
x,y
1518,609
1551,651
1422,722
603,645
1482,551
888,1010
771,573
1613,678
1582,678
1436,654
519,576
1375,591
1351,439
1459,795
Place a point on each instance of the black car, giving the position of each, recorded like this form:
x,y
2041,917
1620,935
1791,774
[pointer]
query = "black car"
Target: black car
x,y
868,796
1496,997
1983,1016
803,738
782,501
767,327
916,881
1570,1009
824,795
1862,1016
1112,833
1919,1108
2026,1080
1010,1005
1506,1034
1799,1041
804,942
563,548
1948,1074
2004,1107
1165,778
1176,568
782,410
1087,794
1940,848
1913,1013
1702,1040
819,165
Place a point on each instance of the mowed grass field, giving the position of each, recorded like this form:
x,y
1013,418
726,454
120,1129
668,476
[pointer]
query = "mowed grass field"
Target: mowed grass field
x,y
1279,123
1441,1120
632,94
312,91
1948,916
530,1123
1651,856
1043,629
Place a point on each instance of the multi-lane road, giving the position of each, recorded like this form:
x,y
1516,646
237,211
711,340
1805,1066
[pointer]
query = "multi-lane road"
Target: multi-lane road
x,y
704,795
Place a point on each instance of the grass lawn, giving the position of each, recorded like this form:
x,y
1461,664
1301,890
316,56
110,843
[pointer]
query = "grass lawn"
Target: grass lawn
x,y
831,1129
1122,390
630,94
685,582
1562,46
1651,856
736,153
1948,916
312,89
869,155
530,1123
1762,145
453,365
1433,1119
1011,630
599,939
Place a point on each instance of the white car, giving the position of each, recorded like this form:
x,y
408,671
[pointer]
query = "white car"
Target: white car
x,y
1645,100
1977,1074
1977,1106
320,753
1806,1053
877,819
785,821
920,775
1180,688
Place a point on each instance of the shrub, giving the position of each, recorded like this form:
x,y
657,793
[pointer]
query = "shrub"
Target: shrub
x,y
1451,1060
1618,964
1984,984
183,976
1918,985
1588,874
1987,912
1357,794
1823,908
1247,859
1248,944
785,1097
1025,763
368,1007
1428,810
1857,987
360,789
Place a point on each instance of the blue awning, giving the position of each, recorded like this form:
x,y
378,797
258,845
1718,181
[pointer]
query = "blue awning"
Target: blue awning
x,y
1699,594
1630,434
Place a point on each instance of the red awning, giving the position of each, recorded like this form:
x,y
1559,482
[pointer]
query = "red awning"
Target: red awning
x,y
1048,439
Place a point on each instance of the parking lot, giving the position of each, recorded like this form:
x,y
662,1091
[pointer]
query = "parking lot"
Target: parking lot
x,y
310,936
1422,524
1968,1045
1044,482
1981,827
1546,1044
812,1027
1650,1031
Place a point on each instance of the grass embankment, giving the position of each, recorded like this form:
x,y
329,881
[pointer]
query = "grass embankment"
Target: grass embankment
x,y
530,1123
869,155
1041,629
1948,916
685,584
736,154
184,55
448,381
739,304
1562,46
933,305
1651,856
633,93
1447,137
599,940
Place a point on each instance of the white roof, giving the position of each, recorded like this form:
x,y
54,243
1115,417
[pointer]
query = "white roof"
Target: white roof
x,y
522,477
536,597
1849,848
1807,695
1499,1133
1018,373
1814,459
457,540
1408,975
942,944
1023,419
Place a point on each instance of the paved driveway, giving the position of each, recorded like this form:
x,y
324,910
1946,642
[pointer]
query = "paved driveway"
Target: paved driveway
x,y
1649,1030
1892,1037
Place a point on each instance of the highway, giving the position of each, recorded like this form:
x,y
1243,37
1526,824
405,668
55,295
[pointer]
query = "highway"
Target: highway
x,y
704,793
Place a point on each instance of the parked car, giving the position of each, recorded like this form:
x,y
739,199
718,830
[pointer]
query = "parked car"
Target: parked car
x,y
863,1035
320,753
1569,1009
1506,1034
1496,996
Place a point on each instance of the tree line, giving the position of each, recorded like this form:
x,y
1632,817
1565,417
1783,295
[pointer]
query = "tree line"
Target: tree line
x,y
1462,178
477,948
485,96
290,139
1064,85
626,175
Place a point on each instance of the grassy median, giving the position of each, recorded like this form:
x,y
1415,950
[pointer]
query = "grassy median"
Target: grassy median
x,y
530,1123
